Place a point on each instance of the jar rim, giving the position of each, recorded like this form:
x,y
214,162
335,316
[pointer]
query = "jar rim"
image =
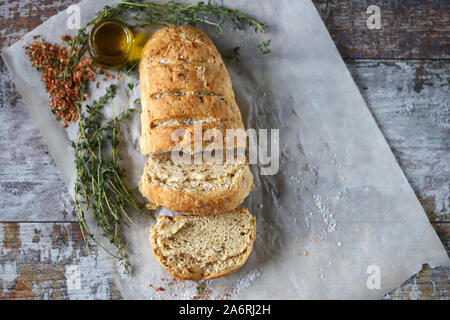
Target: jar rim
x,y
102,58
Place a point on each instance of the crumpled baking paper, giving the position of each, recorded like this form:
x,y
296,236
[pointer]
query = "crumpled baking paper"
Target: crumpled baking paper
x,y
339,220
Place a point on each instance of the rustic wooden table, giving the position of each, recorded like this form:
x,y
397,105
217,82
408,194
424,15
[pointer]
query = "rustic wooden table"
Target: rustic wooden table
x,y
401,69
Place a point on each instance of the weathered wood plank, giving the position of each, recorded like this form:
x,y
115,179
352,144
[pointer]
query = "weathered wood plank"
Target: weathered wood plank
x,y
31,187
414,29
19,17
37,260
41,261
410,102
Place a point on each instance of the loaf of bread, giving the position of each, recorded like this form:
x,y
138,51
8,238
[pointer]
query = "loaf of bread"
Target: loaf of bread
x,y
183,81
194,248
186,90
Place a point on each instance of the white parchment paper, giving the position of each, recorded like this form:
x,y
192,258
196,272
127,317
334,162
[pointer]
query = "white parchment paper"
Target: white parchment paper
x,y
338,214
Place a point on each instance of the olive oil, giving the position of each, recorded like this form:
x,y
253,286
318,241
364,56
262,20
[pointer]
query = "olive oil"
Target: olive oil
x,y
111,43
140,39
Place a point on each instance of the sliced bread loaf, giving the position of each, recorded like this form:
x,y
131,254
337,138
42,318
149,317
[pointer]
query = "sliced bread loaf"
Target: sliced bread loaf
x,y
194,248
206,188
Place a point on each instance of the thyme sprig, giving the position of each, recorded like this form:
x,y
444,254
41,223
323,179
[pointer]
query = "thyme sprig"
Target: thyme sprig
x,y
142,14
99,185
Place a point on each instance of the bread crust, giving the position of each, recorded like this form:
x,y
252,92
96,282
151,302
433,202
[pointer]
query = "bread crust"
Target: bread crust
x,y
203,276
205,204
190,106
179,43
159,139
185,76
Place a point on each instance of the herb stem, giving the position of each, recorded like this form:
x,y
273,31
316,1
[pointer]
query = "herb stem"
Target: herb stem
x,y
99,184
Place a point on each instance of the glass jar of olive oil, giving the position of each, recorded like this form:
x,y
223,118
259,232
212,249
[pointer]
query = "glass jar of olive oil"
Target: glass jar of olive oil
x,y
111,43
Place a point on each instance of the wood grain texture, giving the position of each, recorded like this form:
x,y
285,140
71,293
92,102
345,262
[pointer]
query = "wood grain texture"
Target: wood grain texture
x,y
37,261
31,186
19,17
409,100
410,29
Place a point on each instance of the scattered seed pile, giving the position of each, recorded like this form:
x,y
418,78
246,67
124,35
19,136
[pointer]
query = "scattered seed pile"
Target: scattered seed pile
x,y
66,87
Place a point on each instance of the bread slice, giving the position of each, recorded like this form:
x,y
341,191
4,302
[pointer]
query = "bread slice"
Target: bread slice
x,y
195,248
206,188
